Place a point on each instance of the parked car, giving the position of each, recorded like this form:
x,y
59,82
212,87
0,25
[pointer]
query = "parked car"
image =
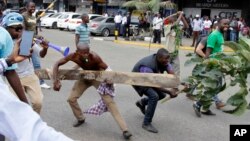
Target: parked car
x,y
104,26
51,22
73,23
46,16
63,21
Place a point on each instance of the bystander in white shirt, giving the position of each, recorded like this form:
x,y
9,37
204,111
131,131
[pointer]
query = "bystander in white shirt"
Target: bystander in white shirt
x,y
157,23
197,25
118,19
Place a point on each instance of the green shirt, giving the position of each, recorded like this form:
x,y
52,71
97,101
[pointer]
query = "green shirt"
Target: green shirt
x,y
215,41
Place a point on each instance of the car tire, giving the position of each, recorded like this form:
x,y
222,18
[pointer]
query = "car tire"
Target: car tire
x,y
105,32
60,28
93,34
54,25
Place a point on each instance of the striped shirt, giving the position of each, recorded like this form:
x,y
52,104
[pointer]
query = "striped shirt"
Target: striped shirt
x,y
83,31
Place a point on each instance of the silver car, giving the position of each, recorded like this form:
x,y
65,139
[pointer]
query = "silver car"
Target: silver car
x,y
104,26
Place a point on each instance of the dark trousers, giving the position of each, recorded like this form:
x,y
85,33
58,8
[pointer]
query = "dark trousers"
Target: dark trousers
x,y
157,36
124,30
118,27
153,95
2,138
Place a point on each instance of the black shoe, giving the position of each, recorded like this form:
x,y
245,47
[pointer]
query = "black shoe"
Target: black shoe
x,y
126,135
197,109
78,123
208,112
149,127
142,107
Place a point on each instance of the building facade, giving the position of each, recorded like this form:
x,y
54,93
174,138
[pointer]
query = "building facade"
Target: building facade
x,y
211,8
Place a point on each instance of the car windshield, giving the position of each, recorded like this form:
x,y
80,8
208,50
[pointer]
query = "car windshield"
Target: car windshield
x,y
55,16
98,19
64,16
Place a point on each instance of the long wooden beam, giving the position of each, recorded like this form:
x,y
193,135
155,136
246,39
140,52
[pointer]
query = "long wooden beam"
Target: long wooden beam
x,y
130,78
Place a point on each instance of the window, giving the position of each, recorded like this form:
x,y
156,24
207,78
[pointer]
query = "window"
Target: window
x,y
110,20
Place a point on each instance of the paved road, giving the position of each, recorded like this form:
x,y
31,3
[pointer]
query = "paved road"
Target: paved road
x,y
175,119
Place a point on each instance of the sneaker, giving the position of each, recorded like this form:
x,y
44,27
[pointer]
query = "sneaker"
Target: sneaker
x,y
197,109
78,123
208,112
149,127
220,105
126,135
140,106
45,86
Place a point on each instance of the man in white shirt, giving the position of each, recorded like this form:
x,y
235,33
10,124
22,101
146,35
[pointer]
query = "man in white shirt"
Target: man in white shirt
x,y
124,22
207,26
118,21
157,27
196,25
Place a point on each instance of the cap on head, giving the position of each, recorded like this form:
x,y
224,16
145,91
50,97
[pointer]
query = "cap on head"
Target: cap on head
x,y
12,19
197,16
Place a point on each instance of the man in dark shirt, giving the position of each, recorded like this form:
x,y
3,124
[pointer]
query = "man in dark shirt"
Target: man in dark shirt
x,y
156,63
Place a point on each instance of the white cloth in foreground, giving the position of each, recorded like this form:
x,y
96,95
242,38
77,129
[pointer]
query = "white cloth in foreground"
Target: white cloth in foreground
x,y
18,122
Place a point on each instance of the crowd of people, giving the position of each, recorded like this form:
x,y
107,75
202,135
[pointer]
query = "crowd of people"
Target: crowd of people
x,y
21,72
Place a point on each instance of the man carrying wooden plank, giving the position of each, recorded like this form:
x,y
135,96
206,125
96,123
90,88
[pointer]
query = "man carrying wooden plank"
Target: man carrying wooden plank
x,y
156,63
89,60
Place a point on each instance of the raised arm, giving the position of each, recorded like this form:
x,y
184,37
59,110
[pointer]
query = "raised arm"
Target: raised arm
x,y
179,18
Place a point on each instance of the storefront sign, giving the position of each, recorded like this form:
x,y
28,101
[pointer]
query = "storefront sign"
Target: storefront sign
x,y
223,4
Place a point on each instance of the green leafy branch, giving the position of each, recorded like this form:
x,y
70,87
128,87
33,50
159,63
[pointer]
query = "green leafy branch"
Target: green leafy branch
x,y
208,75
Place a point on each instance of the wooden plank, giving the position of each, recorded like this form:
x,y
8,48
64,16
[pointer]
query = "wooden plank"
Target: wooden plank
x,y
130,78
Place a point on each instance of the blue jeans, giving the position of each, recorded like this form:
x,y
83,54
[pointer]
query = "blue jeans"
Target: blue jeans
x,y
151,101
37,64
233,35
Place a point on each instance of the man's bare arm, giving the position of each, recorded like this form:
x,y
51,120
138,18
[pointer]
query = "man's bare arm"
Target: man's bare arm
x,y
16,85
179,18
56,67
199,51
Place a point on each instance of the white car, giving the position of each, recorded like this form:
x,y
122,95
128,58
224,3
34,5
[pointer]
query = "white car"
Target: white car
x,y
73,23
50,22
46,16
62,22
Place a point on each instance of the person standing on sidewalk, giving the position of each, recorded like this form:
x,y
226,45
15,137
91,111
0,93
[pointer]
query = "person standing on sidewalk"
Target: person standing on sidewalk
x,y
30,23
82,31
215,43
196,25
157,27
124,23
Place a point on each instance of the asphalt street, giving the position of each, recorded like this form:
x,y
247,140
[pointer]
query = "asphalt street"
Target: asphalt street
x,y
175,119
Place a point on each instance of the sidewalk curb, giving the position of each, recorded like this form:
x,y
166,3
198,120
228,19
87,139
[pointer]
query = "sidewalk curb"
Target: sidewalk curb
x,y
159,45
